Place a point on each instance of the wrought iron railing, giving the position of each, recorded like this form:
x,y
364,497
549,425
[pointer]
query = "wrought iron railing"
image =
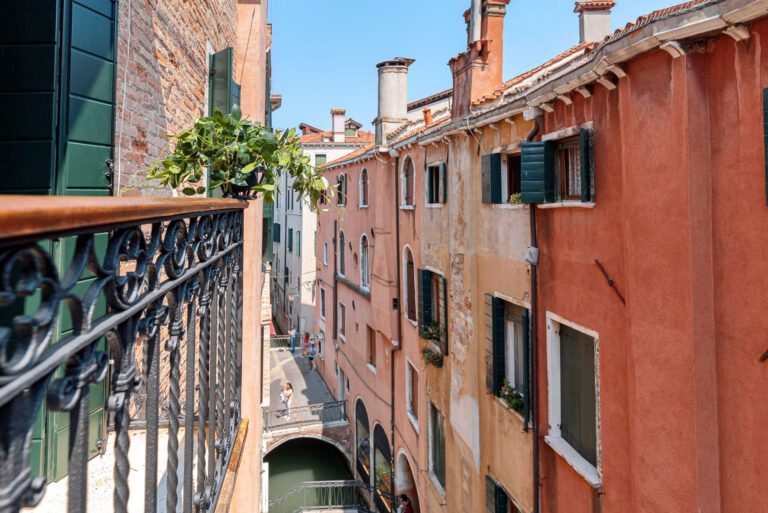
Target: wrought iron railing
x,y
280,341
322,413
323,495
171,275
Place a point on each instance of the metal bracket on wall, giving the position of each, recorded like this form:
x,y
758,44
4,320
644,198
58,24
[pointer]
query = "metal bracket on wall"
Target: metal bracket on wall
x,y
764,357
610,281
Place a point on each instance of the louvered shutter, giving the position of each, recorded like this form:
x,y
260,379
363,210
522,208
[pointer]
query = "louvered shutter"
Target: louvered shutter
x,y
221,85
501,500
425,298
586,164
528,399
499,354
485,170
489,344
443,193
490,495
443,305
537,170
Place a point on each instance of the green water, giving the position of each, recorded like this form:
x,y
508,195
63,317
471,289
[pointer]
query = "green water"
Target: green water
x,y
303,460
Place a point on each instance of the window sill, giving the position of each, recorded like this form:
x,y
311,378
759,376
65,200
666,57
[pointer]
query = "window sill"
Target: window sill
x,y
414,322
413,420
436,484
433,205
509,206
407,207
343,338
567,204
584,468
372,369
362,206
513,412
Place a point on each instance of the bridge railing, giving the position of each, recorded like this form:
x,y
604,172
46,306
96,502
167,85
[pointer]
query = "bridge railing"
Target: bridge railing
x,y
279,341
323,495
321,413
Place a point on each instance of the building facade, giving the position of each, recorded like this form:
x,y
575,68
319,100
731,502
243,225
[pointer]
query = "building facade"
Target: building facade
x,y
295,225
539,310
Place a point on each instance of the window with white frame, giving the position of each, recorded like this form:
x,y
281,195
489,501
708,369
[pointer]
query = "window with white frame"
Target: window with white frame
x,y
365,277
568,167
325,254
409,275
341,199
363,188
437,446
322,303
341,254
321,344
412,392
572,384
407,183
435,186
342,321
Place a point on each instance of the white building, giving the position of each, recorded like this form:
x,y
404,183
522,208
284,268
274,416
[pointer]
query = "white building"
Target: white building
x,y
295,225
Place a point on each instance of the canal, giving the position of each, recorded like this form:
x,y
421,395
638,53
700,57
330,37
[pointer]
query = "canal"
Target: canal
x,y
299,461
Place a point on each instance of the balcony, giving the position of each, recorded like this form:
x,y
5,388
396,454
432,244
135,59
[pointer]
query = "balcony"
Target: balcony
x,y
128,311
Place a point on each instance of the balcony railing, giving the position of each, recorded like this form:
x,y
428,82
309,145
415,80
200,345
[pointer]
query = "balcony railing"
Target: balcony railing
x,y
170,275
324,495
281,341
322,413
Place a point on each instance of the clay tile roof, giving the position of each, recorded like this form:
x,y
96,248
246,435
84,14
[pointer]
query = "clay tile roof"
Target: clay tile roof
x,y
416,131
442,95
350,156
594,5
338,111
362,137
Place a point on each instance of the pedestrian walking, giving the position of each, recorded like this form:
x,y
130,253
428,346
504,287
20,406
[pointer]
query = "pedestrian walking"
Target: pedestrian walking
x,y
286,396
293,339
312,353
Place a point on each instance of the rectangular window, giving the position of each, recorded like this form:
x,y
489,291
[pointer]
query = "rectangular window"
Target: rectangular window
x,y
320,159
325,254
276,233
496,499
342,321
350,132
412,391
513,178
436,184
298,242
568,166
371,340
501,176
437,445
290,240
433,308
578,422
322,303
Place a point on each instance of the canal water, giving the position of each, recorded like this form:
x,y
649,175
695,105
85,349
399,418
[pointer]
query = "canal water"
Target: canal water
x,y
302,460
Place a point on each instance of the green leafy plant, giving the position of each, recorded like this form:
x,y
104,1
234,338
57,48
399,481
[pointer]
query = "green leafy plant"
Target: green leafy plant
x,y
431,357
241,157
516,198
431,331
512,397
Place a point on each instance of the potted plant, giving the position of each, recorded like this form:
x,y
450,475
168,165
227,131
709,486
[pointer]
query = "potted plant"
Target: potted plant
x,y
512,397
516,198
431,331
431,356
241,158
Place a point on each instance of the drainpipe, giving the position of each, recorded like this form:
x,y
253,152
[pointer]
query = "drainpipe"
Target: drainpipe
x,y
534,399
396,155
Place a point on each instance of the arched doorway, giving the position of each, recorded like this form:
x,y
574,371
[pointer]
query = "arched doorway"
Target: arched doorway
x,y
405,483
302,460
382,467
362,442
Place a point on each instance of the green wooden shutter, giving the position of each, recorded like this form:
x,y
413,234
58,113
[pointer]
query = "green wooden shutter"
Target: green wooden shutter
x,y
443,305
425,298
221,86
537,170
501,500
276,233
489,344
577,389
499,353
490,495
485,170
289,240
443,193
527,398
586,164
491,177
587,399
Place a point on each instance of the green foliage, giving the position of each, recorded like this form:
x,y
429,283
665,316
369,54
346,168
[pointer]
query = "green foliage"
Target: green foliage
x,y
431,357
242,156
512,397
431,332
516,199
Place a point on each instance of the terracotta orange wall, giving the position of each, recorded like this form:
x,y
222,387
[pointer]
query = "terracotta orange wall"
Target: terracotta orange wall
x,y
680,225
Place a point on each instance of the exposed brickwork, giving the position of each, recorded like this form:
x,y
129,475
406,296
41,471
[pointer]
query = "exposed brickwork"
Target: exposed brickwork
x,y
162,78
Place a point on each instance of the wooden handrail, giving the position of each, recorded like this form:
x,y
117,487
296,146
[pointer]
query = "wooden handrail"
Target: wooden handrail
x,y
25,216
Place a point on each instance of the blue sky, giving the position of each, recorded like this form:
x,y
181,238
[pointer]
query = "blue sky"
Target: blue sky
x,y
324,52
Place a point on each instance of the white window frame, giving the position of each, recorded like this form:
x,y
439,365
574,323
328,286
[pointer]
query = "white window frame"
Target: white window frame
x,y
406,304
554,438
325,254
320,346
342,181
361,196
341,253
414,419
339,319
365,264
430,450
427,182
403,191
323,303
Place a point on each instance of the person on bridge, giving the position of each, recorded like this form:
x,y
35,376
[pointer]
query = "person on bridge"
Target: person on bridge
x,y
286,396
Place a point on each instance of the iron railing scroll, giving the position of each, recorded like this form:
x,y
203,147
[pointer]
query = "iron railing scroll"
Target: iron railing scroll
x,y
172,280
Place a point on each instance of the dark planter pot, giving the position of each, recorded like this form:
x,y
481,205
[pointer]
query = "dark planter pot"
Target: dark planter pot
x,y
245,192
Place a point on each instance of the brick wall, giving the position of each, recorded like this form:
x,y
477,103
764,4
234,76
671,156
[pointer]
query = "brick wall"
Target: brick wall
x,y
162,78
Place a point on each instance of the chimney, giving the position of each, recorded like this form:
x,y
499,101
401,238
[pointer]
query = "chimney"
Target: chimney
x,y
393,96
478,72
594,20
337,125
427,116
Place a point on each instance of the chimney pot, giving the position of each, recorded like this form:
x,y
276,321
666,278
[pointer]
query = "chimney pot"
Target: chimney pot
x,y
594,19
427,116
337,125
393,96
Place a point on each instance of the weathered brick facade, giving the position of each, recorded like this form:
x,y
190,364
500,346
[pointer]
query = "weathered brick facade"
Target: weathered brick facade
x,y
162,78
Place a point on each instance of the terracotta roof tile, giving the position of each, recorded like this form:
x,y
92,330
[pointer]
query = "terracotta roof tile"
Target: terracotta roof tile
x,y
350,156
594,5
362,137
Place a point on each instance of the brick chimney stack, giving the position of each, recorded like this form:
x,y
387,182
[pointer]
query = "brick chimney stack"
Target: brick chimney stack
x,y
478,71
594,20
337,125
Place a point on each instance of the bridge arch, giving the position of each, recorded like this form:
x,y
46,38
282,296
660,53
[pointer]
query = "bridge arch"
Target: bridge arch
x,y
310,436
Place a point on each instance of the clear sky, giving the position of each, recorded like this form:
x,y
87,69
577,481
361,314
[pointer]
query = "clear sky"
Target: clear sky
x,y
324,52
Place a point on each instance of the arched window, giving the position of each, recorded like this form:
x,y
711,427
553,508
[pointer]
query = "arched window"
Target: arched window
x,y
362,442
342,197
320,343
382,466
409,275
364,262
364,188
407,177
341,252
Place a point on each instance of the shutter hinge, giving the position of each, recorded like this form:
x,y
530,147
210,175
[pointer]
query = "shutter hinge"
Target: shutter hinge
x,y
110,172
